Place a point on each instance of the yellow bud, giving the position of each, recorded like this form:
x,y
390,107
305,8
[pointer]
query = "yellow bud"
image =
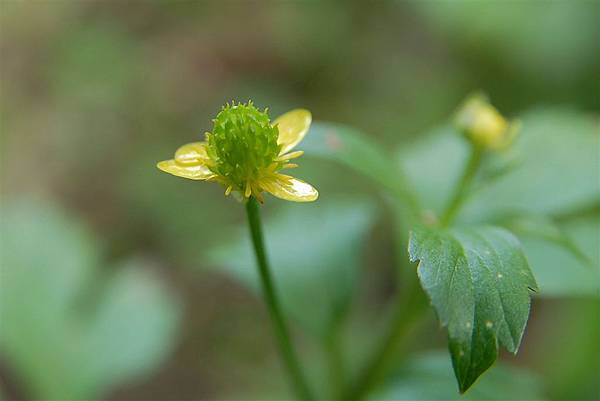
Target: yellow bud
x,y
483,125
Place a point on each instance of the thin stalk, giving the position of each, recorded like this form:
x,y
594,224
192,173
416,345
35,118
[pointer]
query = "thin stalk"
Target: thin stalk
x,y
408,310
280,326
335,360
462,188
411,303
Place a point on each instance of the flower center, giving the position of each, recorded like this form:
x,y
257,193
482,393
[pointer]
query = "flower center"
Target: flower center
x,y
243,144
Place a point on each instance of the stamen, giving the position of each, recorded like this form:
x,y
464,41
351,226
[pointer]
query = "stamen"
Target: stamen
x,y
256,192
290,156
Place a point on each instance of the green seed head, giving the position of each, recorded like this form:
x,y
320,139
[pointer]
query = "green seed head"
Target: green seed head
x,y
243,144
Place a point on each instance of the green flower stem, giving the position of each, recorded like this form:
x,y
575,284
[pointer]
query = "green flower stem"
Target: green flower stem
x,y
462,188
408,311
279,322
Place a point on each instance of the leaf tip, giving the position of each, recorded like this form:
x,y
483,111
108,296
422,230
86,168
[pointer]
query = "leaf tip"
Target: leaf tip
x,y
465,384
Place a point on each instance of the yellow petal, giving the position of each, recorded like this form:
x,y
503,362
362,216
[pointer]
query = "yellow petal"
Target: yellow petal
x,y
293,125
289,188
192,153
193,172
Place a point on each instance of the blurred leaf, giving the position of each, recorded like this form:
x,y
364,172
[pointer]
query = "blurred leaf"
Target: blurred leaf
x,y
170,209
494,168
557,270
434,163
557,173
576,346
96,65
520,32
314,251
559,170
66,340
135,322
544,228
427,377
354,150
478,280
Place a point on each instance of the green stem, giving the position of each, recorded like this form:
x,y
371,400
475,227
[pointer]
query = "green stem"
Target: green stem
x,y
335,360
410,303
462,188
408,310
279,323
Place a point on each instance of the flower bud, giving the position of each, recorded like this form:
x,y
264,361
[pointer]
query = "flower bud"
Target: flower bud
x,y
483,125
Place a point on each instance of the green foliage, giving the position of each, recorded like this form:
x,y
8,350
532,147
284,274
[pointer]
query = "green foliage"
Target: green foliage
x,y
556,148
563,272
478,280
568,142
80,67
560,253
314,251
92,95
555,179
505,31
427,377
544,228
352,148
558,173
173,205
575,376
69,329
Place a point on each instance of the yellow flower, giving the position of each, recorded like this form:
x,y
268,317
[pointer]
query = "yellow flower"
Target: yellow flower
x,y
483,125
245,152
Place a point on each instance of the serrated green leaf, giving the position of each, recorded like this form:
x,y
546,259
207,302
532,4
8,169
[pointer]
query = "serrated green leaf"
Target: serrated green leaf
x,y
556,175
314,255
61,335
478,281
427,377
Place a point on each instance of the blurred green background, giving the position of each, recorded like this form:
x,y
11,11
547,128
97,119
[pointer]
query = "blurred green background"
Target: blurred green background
x,y
119,282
